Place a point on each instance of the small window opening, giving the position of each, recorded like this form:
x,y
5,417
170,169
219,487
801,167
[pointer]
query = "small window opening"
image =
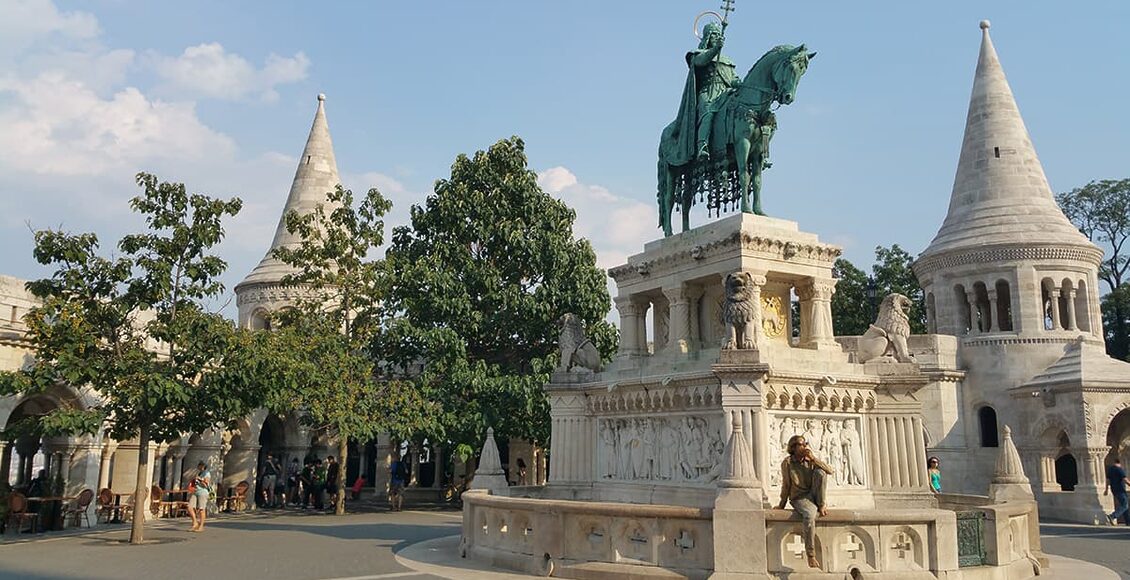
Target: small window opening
x,y
308,159
996,153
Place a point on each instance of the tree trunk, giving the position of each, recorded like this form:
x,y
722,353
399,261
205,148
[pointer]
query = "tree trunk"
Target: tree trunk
x,y
141,493
343,460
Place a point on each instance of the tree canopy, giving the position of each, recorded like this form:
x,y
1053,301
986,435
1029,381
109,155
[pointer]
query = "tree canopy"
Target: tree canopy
x,y
857,297
479,280
133,329
1101,210
323,344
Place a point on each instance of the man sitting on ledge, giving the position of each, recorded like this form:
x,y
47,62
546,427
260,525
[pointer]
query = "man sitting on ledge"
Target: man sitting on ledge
x,y
802,484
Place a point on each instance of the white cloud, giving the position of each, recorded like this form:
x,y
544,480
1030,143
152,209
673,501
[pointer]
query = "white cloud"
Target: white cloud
x,y
208,70
60,126
26,22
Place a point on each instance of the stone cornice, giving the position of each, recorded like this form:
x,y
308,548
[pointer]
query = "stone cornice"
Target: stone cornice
x,y
927,265
977,342
270,292
763,247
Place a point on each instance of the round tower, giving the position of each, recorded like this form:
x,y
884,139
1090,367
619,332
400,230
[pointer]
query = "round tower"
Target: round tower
x,y
261,292
1006,261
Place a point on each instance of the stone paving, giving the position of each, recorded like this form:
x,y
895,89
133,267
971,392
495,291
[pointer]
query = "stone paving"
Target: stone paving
x,y
414,545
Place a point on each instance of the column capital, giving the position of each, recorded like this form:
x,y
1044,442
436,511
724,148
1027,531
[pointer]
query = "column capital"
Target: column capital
x,y
628,306
816,289
1054,292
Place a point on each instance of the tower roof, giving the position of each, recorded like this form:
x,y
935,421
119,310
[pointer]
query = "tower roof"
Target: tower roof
x,y
315,177
1000,194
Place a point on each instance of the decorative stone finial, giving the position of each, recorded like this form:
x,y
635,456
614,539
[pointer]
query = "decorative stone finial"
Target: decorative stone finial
x,y
489,474
985,25
737,460
1009,481
321,96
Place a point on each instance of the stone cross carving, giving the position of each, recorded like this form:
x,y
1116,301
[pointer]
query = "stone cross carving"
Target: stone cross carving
x,y
638,538
852,546
685,541
796,546
595,536
902,544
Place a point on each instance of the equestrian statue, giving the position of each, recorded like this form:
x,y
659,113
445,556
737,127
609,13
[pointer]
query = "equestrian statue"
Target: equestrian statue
x,y
718,143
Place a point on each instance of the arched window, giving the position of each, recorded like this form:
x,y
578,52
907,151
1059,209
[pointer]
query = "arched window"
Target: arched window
x,y
1065,321
1004,306
987,417
962,302
1046,303
1066,472
1082,307
982,321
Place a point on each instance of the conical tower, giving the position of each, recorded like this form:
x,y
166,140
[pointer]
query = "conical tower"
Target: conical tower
x,y
260,292
1006,259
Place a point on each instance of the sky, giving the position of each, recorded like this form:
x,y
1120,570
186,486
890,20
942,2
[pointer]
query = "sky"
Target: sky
x,y
220,96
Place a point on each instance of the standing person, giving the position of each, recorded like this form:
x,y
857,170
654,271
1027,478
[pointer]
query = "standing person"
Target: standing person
x,y
935,474
292,488
522,472
1116,484
198,493
333,480
319,484
270,477
803,480
399,475
306,480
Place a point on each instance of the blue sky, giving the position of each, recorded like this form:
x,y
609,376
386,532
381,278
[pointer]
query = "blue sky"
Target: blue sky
x,y
220,95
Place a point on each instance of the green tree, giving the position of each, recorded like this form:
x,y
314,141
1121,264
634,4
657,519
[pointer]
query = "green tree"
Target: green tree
x,y
133,329
852,312
480,278
1116,314
892,274
1101,210
327,336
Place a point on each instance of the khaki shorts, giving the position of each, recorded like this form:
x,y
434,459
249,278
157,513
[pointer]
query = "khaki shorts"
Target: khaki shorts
x,y
198,500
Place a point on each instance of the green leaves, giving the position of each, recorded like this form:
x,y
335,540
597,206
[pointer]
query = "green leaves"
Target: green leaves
x,y
478,281
857,297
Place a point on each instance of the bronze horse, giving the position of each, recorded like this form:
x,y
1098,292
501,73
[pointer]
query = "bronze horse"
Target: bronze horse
x,y
739,140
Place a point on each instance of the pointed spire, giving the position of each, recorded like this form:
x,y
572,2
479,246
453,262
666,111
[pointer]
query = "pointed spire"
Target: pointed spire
x,y
1009,481
489,474
1000,193
315,177
737,460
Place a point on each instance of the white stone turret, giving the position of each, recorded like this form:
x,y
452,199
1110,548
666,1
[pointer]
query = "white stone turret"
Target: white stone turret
x,y
260,292
1006,259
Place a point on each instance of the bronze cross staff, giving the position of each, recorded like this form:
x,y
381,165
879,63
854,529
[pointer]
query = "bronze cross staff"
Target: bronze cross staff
x,y
727,8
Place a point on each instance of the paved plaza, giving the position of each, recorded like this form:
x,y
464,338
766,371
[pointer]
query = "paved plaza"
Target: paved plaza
x,y
368,546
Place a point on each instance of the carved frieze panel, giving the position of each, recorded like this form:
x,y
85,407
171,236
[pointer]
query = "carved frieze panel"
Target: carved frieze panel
x,y
658,399
677,449
825,398
834,439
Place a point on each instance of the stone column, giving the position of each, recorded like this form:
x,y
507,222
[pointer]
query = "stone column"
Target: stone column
x,y
1071,324
178,468
630,314
1053,295
571,454
992,321
816,313
975,316
678,338
104,469
694,294
644,306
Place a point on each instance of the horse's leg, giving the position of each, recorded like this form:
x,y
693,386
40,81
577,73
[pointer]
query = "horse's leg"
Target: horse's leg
x,y
687,200
756,161
741,156
666,197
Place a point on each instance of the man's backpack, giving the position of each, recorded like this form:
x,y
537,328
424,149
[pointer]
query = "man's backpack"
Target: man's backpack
x,y
400,472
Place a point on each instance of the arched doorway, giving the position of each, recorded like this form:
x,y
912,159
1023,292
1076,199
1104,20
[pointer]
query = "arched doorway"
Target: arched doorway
x,y
24,456
272,441
1118,438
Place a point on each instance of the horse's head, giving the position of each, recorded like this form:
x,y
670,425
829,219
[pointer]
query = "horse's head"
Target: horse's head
x,y
787,72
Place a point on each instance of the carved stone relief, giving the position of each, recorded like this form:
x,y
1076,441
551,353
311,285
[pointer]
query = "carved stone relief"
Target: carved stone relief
x,y
675,449
837,441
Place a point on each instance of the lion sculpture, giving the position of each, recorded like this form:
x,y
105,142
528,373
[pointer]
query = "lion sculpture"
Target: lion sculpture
x,y
739,312
576,349
887,337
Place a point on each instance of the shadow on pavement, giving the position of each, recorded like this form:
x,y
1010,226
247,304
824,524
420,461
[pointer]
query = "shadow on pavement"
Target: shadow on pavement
x,y
404,533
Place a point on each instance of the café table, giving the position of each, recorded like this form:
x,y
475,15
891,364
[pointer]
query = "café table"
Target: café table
x,y
34,502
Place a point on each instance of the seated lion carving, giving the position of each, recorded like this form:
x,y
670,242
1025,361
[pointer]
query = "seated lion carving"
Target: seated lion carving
x,y
576,349
739,312
887,337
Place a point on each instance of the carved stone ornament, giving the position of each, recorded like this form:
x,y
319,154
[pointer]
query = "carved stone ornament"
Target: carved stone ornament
x,y
577,350
887,337
739,311
773,320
